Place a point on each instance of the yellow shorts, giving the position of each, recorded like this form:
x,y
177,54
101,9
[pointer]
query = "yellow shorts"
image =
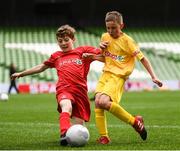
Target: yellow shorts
x,y
111,85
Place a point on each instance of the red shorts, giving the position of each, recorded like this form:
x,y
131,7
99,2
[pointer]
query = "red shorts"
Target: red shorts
x,y
80,102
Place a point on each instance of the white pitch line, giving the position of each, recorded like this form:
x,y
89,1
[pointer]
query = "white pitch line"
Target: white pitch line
x,y
88,125
148,126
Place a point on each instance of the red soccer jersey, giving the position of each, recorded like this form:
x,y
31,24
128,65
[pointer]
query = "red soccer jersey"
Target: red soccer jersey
x,y
72,72
71,68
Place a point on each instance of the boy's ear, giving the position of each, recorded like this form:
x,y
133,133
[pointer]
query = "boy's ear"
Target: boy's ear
x,y
74,39
122,25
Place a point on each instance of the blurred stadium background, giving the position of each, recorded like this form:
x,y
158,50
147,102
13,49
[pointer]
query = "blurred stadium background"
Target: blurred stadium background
x,y
27,38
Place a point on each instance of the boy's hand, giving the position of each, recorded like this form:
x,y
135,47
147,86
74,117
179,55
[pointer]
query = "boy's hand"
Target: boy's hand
x,y
103,44
158,82
88,55
16,75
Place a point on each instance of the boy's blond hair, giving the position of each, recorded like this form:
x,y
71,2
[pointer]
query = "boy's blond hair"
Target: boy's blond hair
x,y
114,16
65,30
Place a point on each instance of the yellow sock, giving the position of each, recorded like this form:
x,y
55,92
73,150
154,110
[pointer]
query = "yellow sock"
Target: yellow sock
x,y
101,124
120,113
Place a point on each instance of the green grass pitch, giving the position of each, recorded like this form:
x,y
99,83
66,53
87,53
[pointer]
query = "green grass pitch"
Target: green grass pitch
x,y
31,122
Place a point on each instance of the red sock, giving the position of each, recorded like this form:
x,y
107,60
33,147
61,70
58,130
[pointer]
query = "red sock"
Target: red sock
x,y
64,122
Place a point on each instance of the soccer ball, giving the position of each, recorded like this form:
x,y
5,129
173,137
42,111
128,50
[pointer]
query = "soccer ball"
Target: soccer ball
x,y
4,97
77,135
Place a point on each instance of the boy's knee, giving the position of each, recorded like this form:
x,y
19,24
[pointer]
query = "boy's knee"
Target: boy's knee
x,y
103,102
66,105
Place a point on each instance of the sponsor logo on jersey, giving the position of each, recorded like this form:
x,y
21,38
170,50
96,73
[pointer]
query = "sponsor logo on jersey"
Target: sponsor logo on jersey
x,y
69,61
114,57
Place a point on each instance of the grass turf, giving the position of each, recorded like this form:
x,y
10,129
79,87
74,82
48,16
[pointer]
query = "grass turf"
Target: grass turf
x,y
31,122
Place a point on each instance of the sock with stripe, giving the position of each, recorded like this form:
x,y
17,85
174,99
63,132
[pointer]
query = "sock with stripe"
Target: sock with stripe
x,y
120,113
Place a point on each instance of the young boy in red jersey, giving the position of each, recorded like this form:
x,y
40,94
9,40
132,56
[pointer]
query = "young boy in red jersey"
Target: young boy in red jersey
x,y
120,53
72,70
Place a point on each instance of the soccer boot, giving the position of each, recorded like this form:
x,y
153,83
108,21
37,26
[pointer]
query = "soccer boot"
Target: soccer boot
x,y
63,141
104,140
139,127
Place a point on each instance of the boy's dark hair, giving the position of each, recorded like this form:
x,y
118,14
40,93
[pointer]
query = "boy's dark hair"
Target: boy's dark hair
x,y
65,30
114,16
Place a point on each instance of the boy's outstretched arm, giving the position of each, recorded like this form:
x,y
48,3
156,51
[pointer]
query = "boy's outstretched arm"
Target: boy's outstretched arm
x,y
36,69
148,67
99,57
92,56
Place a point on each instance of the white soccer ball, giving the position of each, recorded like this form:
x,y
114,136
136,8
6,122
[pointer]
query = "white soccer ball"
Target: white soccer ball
x,y
4,97
77,135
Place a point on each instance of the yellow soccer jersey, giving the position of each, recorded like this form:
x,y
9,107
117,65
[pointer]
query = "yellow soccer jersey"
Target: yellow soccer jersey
x,y
119,55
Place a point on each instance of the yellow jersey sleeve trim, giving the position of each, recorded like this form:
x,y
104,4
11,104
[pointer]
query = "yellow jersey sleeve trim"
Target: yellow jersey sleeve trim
x,y
139,55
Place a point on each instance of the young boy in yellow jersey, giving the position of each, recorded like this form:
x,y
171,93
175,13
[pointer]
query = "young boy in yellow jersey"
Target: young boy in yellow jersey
x,y
120,53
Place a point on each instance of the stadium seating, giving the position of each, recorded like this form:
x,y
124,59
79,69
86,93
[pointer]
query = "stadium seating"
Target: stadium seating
x,y
27,47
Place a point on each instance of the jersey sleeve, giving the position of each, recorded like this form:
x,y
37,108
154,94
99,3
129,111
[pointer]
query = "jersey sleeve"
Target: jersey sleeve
x,y
140,55
133,49
51,61
103,37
